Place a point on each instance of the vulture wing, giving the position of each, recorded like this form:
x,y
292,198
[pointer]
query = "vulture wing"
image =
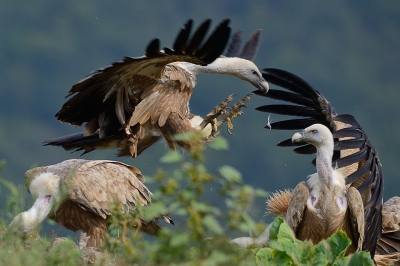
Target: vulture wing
x,y
356,211
117,101
110,95
297,206
389,241
353,150
249,50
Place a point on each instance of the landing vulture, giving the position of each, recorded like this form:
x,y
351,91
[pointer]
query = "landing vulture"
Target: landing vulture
x,y
133,103
77,194
353,151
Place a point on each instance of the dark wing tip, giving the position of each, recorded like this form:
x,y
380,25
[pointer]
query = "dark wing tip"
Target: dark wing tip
x,y
216,43
250,49
235,44
153,48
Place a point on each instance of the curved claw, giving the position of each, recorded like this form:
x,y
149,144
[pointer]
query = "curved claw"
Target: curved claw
x,y
229,132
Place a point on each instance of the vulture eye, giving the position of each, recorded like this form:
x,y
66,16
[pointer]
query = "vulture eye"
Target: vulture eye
x,y
314,131
254,72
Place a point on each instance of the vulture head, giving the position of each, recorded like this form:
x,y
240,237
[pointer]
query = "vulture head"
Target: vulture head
x,y
317,135
248,71
45,188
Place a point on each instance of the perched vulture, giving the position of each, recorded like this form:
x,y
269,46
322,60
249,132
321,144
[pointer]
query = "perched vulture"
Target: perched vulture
x,y
353,151
388,248
133,103
77,194
323,205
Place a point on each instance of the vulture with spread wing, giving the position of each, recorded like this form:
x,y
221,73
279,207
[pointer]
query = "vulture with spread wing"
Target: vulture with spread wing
x,y
132,104
77,194
323,205
353,151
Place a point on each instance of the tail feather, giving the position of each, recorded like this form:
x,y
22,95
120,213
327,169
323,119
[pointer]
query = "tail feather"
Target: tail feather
x,y
79,142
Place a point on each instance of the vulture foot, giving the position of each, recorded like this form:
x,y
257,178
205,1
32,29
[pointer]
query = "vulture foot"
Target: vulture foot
x,y
221,113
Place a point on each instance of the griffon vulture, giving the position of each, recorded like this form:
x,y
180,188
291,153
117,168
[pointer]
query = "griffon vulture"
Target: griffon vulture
x,y
132,104
387,250
353,151
323,205
318,208
77,194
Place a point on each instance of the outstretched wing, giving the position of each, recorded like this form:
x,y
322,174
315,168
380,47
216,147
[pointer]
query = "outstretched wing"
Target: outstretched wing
x,y
109,95
249,50
353,150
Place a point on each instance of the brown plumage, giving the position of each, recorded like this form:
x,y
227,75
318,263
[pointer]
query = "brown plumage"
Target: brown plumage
x,y
278,202
353,151
389,242
324,205
77,194
387,250
132,104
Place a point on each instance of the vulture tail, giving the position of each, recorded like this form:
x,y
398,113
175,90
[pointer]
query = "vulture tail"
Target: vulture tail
x,y
76,142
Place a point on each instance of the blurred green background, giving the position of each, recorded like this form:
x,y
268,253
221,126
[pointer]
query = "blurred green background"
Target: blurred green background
x,y
348,50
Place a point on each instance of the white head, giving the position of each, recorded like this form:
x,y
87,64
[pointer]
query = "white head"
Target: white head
x,y
248,71
45,189
234,66
318,135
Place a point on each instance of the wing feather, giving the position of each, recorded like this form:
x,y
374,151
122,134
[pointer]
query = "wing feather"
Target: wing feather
x,y
356,210
96,93
297,206
353,149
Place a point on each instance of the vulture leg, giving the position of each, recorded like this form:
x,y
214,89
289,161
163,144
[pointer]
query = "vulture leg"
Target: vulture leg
x,y
221,114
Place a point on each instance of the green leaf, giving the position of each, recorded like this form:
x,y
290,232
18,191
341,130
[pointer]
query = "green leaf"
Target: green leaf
x,y
258,192
334,247
269,256
179,239
171,157
230,173
273,233
217,258
359,258
212,224
153,210
219,143
201,206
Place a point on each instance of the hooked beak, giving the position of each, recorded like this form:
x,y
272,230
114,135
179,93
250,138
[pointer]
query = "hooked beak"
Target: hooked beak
x,y
298,137
263,85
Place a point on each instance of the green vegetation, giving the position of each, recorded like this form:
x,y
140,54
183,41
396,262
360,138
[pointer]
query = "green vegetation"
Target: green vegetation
x,y
285,249
200,234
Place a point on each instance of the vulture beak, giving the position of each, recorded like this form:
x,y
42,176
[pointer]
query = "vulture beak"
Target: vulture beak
x,y
263,85
298,137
